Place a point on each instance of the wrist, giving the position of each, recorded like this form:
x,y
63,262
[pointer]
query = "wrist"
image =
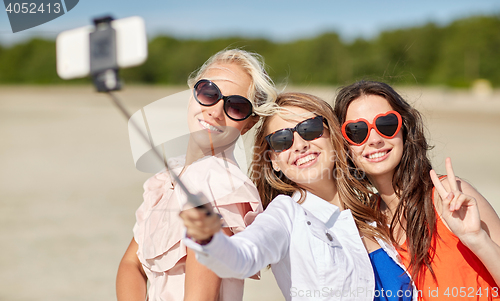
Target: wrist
x,y
475,242
201,242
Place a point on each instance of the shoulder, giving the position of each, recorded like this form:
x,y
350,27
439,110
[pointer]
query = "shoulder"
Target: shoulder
x,y
155,187
489,218
279,217
283,201
284,206
215,172
220,181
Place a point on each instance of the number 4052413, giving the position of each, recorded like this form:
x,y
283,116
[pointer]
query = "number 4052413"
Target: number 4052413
x,y
33,8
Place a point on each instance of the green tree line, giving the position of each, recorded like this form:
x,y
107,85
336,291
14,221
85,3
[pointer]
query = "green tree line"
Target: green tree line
x,y
453,55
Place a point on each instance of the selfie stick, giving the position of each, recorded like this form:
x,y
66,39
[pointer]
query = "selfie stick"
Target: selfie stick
x,y
104,71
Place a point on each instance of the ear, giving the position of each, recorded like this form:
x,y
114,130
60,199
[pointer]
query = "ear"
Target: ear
x,y
276,167
252,120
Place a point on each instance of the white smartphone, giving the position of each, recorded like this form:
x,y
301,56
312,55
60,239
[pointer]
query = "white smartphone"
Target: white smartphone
x,y
73,49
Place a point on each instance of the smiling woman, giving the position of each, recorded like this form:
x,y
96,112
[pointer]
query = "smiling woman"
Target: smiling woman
x,y
228,91
375,107
437,231
314,208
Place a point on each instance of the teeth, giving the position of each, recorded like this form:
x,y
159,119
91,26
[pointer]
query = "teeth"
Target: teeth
x,y
209,127
376,155
305,159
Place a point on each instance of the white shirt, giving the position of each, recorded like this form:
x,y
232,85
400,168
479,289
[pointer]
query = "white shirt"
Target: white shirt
x,y
314,249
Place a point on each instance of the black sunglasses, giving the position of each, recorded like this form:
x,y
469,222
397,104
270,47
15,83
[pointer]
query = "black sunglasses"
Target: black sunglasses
x,y
236,107
309,129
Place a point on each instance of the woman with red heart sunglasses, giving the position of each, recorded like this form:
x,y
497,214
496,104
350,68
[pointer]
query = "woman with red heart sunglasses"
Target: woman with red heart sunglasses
x,y
448,237
228,93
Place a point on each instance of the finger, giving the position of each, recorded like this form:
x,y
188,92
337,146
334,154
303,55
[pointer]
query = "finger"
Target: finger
x,y
457,201
186,217
439,186
451,175
191,215
191,230
463,201
198,235
447,202
199,232
207,222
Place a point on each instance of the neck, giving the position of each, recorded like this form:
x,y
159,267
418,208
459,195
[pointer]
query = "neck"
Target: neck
x,y
195,152
327,190
390,201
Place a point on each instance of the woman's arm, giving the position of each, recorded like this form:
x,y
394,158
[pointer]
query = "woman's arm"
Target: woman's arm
x,y
264,242
471,218
131,281
486,243
201,283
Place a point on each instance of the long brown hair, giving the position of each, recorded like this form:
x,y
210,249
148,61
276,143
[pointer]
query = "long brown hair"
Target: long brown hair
x,y
352,194
411,180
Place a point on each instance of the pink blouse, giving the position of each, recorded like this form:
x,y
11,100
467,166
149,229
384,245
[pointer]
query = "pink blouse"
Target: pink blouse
x,y
159,229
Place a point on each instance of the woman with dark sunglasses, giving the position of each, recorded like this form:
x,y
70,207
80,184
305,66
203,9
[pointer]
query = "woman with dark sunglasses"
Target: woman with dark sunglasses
x,y
228,93
447,237
308,232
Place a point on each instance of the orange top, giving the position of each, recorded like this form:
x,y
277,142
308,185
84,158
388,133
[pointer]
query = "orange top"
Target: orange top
x,y
459,273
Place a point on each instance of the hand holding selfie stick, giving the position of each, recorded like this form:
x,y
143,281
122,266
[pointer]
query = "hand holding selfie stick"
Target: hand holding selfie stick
x,y
104,51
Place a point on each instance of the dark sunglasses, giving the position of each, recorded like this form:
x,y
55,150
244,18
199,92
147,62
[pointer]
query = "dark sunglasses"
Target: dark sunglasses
x,y
236,107
308,129
357,131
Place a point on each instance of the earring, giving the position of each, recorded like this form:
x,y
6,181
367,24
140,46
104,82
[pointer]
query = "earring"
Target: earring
x,y
276,168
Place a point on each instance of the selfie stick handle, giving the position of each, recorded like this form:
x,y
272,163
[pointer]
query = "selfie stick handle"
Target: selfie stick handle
x,y
104,56
198,200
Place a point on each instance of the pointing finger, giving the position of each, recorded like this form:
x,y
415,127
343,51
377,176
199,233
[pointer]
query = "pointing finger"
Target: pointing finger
x,y
451,175
439,186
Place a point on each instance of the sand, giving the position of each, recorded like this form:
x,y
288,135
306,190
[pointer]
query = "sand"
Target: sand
x,y
69,188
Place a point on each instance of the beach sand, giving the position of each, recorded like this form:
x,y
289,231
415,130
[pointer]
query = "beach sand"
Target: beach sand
x,y
69,188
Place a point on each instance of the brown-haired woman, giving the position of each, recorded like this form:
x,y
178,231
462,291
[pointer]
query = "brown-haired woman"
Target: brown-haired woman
x,y
448,238
309,231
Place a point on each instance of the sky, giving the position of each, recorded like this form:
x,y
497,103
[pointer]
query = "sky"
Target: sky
x,y
276,20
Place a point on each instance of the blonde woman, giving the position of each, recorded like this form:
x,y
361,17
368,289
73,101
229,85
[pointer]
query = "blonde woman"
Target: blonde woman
x,y
229,92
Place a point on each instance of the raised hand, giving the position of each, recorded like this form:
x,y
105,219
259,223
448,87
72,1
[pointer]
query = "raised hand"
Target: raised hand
x,y
458,210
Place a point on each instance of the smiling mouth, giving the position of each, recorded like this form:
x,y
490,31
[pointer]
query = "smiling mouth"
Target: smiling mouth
x,y
306,159
377,155
209,127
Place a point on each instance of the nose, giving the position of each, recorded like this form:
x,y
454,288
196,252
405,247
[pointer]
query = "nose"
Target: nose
x,y
299,144
375,138
216,111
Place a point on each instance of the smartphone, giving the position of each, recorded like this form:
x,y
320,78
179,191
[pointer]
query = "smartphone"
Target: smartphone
x,y
73,47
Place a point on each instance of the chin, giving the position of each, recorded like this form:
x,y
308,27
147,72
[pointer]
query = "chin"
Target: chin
x,y
379,171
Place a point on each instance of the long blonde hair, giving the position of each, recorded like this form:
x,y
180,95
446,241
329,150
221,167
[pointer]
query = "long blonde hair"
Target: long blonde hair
x,y
352,194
